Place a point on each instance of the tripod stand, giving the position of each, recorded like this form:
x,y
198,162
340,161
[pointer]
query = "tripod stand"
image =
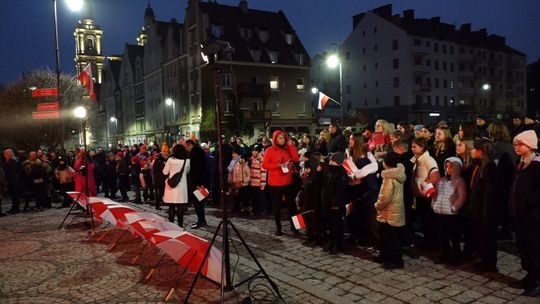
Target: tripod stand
x,y
217,49
86,176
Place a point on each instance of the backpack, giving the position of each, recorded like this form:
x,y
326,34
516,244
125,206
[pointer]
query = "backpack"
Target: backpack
x,y
174,180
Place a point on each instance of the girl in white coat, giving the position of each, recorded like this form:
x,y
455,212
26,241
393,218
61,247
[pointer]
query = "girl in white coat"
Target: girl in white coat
x,y
177,198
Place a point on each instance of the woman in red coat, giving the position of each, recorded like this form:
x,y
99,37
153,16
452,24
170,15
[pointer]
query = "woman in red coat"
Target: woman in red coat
x,y
279,160
82,173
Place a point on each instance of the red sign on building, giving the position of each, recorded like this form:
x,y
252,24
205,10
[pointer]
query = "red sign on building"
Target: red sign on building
x,y
46,115
45,92
48,106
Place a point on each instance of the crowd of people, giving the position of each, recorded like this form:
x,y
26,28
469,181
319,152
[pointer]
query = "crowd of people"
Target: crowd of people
x,y
397,188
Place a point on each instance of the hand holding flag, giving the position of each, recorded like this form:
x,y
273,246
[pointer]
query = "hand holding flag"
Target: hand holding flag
x,y
85,77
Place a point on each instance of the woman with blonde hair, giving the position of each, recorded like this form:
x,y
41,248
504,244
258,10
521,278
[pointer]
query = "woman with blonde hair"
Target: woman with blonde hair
x,y
381,137
443,147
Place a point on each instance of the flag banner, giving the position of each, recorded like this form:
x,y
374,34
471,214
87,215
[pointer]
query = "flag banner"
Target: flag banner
x,y
428,189
323,100
349,166
348,209
85,77
298,221
201,193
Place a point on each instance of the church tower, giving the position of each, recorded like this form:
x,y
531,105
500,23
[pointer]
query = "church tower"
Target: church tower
x,y
149,19
88,47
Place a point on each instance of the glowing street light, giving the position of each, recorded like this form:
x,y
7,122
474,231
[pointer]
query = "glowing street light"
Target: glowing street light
x,y
314,90
75,5
486,87
80,112
333,61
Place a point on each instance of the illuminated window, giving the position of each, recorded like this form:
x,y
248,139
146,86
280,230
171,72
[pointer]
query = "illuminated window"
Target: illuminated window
x,y
300,84
274,83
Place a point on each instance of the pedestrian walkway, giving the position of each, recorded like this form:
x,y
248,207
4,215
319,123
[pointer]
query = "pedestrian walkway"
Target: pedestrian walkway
x,y
40,264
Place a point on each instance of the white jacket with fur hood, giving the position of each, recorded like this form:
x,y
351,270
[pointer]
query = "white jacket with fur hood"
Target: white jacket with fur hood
x,y
389,205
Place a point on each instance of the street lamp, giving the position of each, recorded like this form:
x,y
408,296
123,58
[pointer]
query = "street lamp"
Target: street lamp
x,y
115,120
332,62
74,5
486,87
314,90
169,102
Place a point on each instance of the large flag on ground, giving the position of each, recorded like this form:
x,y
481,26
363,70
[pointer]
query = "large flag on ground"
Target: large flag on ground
x,y
85,77
323,100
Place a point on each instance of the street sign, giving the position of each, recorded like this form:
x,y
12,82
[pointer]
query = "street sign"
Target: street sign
x,y
48,106
46,115
45,92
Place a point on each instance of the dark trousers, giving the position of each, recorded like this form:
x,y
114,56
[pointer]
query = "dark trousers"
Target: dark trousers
x,y
159,190
257,199
123,184
178,211
39,192
199,210
14,194
336,226
449,234
428,224
469,237
278,193
486,240
109,187
391,249
313,230
529,247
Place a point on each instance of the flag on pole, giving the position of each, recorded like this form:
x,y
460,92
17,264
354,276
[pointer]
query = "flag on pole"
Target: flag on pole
x,y
298,221
85,77
201,193
323,100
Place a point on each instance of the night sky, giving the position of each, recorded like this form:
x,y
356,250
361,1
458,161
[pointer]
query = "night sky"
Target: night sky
x,y
27,41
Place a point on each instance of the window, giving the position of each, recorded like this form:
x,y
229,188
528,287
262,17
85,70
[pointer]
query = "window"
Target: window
x,y
364,67
437,100
436,46
428,62
263,35
275,107
377,100
300,84
436,65
227,106
364,51
274,83
376,65
245,32
396,82
451,50
452,84
289,38
258,105
445,84
375,30
300,58
376,83
365,84
418,99
365,102
273,56
428,43
428,100
255,55
375,48
226,81
444,66
348,55
395,63
396,100
395,45
436,83
451,67
417,60
444,48
364,33
417,42
217,30
257,80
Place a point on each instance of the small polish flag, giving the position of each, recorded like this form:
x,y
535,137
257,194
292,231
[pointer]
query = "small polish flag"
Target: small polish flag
x,y
349,167
428,189
85,77
201,193
323,100
348,209
298,221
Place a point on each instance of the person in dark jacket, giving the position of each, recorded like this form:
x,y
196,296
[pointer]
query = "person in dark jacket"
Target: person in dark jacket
x,y
279,160
525,207
443,147
13,172
199,177
109,183
334,200
338,142
484,193
122,171
157,174
310,197
135,180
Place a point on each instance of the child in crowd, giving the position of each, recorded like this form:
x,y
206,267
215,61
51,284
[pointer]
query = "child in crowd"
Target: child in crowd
x,y
239,178
334,200
450,197
391,211
257,180
310,197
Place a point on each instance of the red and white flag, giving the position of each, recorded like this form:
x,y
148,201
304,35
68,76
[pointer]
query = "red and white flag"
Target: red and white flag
x,y
349,167
428,189
201,193
323,100
348,209
85,77
298,221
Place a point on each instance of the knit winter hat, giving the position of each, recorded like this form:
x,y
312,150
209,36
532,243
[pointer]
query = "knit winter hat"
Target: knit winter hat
x,y
338,158
391,159
528,138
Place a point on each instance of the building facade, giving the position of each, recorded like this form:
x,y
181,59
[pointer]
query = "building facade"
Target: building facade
x,y
167,90
399,67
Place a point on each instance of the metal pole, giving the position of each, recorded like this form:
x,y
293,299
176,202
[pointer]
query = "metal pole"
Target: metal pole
x,y
341,91
57,53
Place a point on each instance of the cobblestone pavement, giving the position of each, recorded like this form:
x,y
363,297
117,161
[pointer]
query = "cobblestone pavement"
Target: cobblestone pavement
x,y
40,264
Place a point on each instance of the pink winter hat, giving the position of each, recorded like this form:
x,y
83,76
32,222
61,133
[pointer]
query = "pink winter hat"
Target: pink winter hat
x,y
528,138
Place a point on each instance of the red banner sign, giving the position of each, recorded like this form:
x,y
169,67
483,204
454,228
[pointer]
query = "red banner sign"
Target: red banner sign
x,y
46,115
48,106
45,92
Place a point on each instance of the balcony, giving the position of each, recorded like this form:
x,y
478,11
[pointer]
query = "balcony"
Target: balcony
x,y
256,115
466,57
465,74
253,90
421,50
421,69
466,91
421,87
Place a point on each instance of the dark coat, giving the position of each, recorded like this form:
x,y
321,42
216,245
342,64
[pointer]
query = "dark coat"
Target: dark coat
x,y
338,142
14,174
199,171
441,155
525,195
157,171
485,194
334,189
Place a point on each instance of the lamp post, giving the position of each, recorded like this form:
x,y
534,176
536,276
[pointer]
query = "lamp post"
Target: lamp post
x,y
81,113
334,61
74,5
169,102
115,120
